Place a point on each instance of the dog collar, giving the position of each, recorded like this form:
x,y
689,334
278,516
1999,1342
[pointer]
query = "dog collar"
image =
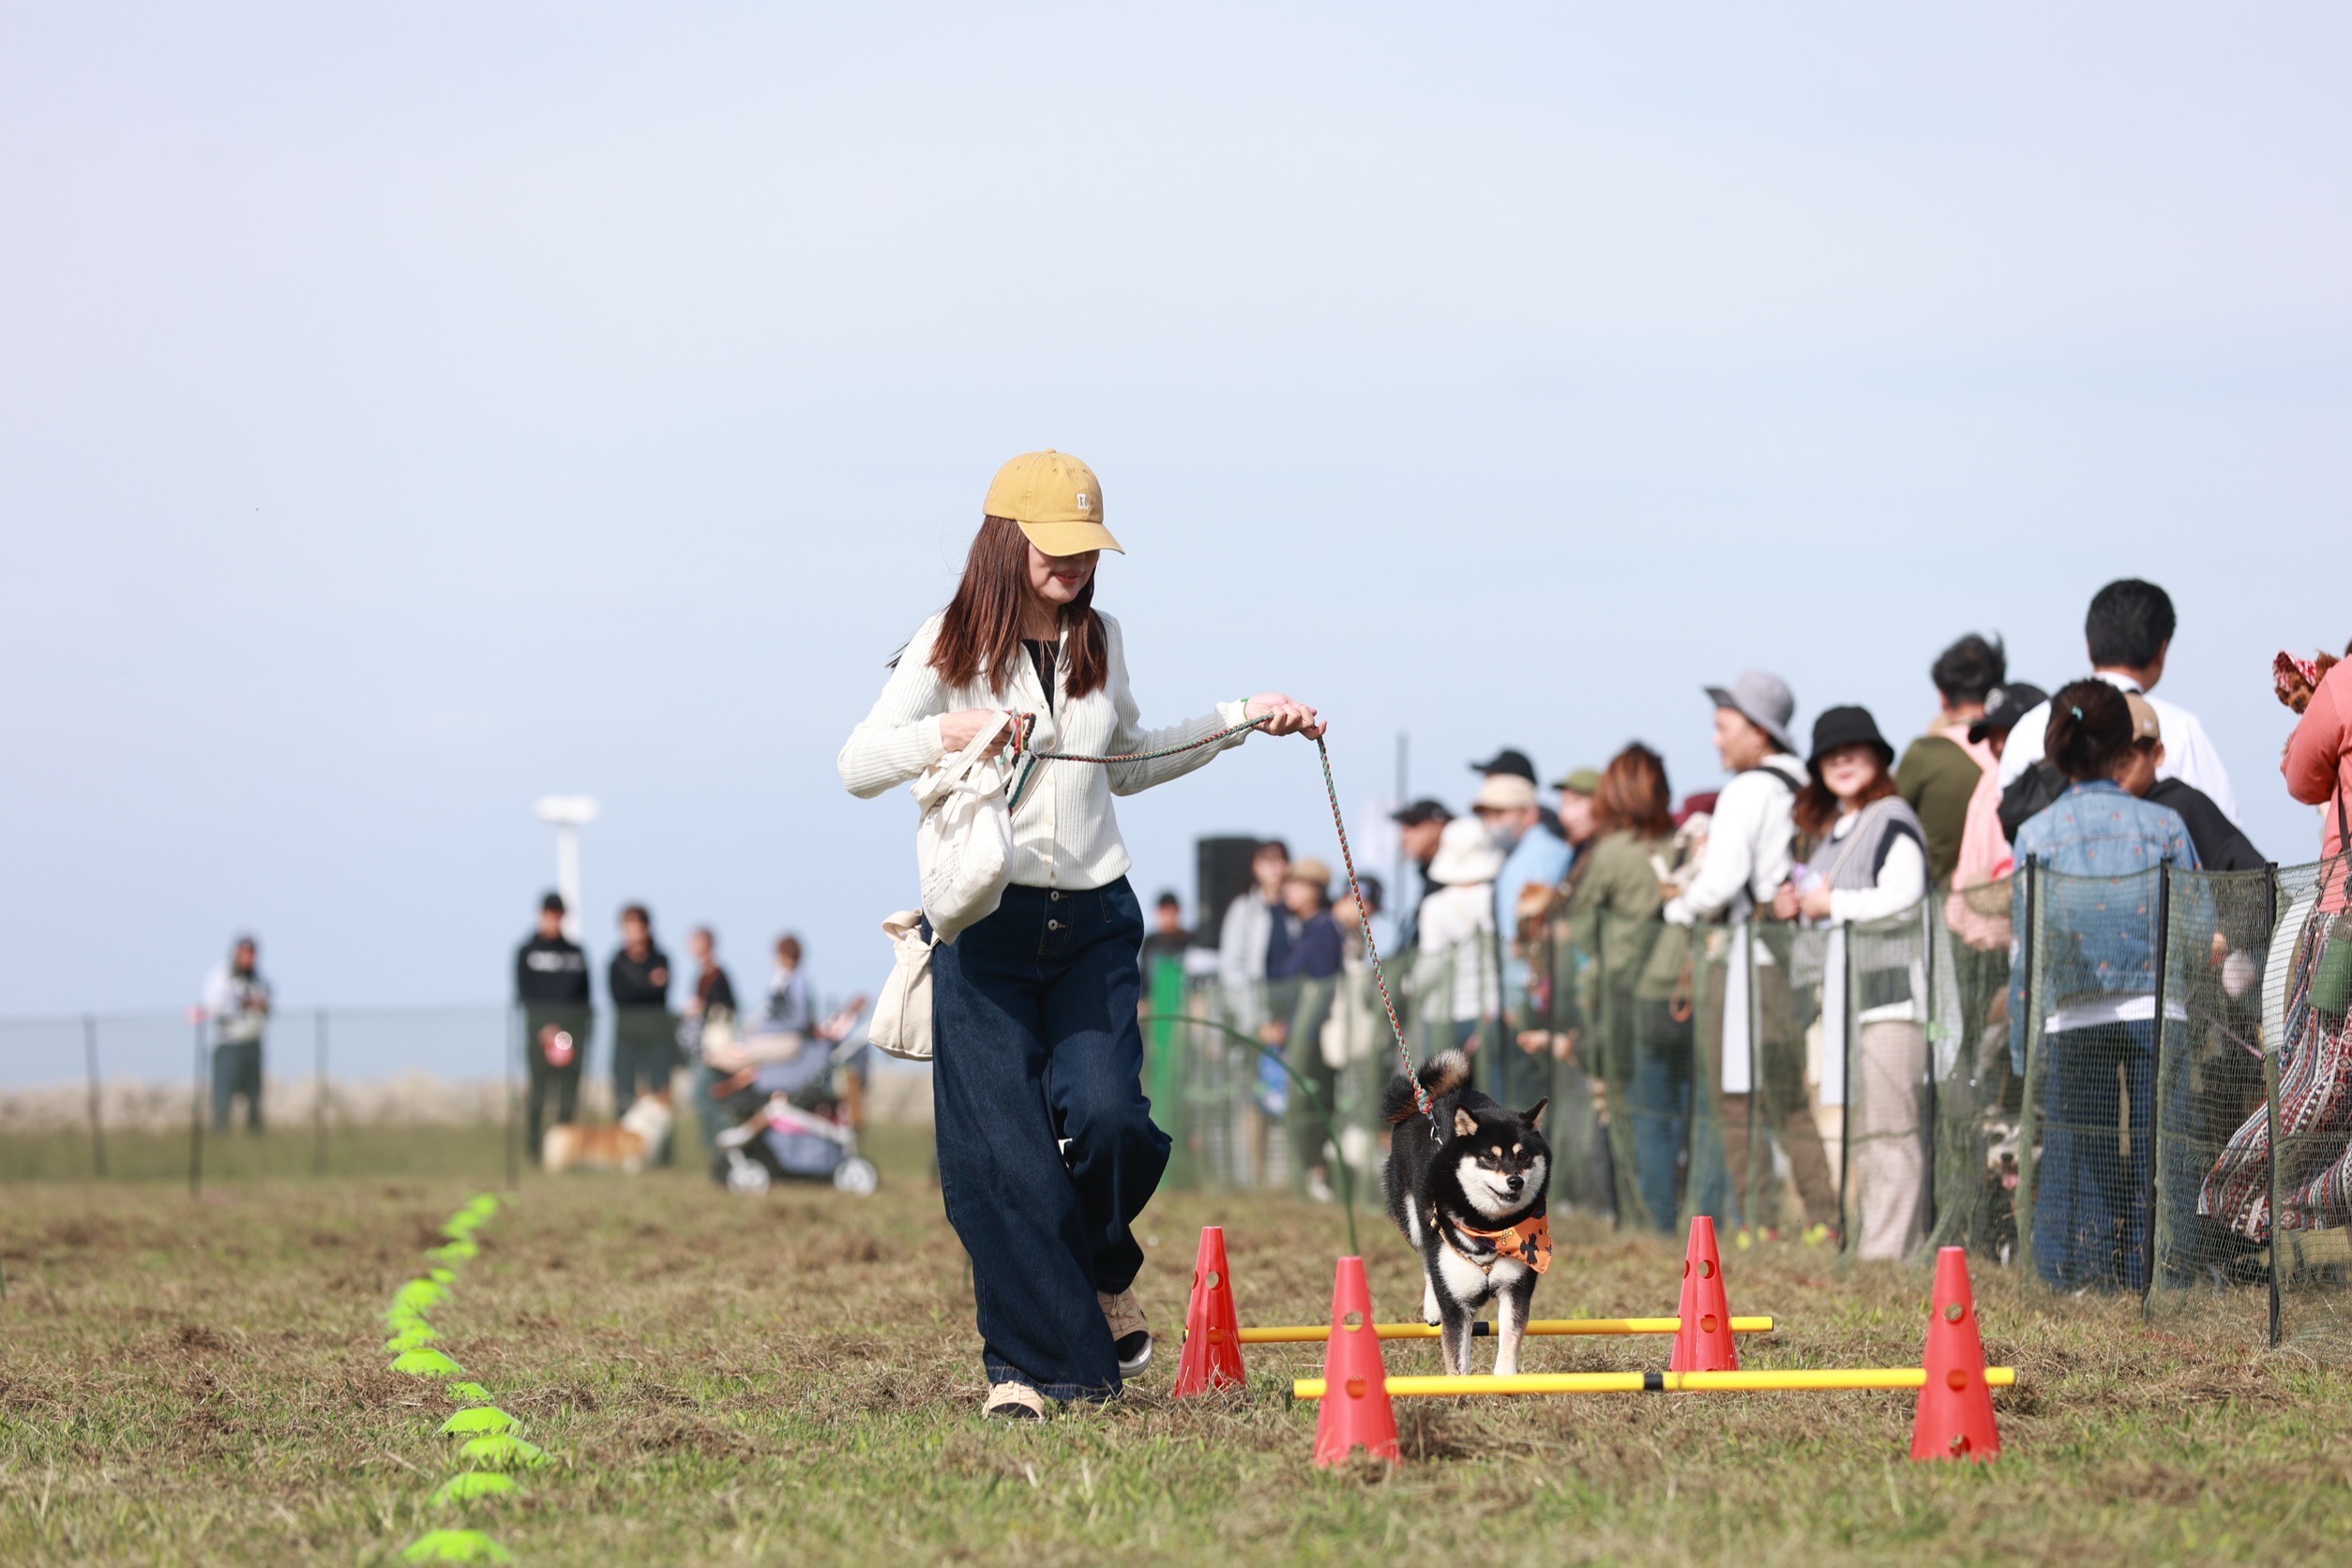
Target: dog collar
x,y
1528,1242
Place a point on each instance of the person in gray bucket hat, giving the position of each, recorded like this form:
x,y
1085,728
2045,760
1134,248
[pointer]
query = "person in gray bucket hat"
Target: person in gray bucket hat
x,y
1748,856
1763,699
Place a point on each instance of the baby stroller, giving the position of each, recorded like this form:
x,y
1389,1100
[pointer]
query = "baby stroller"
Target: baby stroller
x,y
787,1119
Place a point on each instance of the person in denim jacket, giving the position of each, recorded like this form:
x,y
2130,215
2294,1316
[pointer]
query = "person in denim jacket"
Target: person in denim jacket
x,y
2096,941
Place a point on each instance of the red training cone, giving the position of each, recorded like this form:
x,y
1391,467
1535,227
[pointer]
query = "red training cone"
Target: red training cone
x,y
1355,1404
1212,1356
1955,1408
1703,1341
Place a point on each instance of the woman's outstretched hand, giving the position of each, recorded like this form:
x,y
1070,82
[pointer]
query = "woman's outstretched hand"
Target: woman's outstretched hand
x,y
1284,717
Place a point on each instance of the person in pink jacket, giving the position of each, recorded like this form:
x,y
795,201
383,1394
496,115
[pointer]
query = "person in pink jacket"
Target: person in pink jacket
x,y
2318,760
1983,922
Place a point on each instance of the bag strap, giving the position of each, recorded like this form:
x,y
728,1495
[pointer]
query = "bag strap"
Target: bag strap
x,y
950,771
2344,839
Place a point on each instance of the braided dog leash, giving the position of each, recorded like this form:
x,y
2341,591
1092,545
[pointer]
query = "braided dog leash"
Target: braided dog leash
x,y
1025,723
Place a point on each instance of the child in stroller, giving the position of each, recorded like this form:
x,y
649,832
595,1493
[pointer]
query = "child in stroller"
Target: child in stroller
x,y
791,1107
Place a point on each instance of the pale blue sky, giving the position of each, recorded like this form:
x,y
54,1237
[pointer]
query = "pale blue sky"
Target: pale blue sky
x,y
409,411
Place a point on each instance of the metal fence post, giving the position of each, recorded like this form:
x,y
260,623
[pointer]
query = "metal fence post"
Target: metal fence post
x,y
196,1120
1849,1032
1756,1081
2270,1049
2154,1132
514,1041
318,1103
98,1118
1929,1024
2029,1118
1498,1070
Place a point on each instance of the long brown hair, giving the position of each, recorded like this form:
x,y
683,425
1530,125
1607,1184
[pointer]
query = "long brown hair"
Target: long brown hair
x,y
982,629
1816,809
1634,795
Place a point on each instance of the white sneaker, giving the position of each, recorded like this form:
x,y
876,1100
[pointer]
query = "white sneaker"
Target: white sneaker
x,y
1014,1402
1130,1336
1319,1187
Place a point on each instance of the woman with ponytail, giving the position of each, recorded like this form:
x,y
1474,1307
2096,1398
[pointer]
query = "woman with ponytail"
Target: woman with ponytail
x,y
2095,944
1046,1150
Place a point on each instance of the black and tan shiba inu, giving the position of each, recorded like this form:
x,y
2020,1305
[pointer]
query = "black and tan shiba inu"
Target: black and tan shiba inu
x,y
1472,1202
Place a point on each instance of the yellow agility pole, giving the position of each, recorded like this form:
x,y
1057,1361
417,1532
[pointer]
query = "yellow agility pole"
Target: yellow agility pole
x,y
1315,1334
1815,1380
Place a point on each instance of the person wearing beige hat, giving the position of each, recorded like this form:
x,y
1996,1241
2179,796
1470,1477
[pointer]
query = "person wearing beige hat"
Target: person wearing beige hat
x,y
1454,975
1534,856
2220,843
1046,1149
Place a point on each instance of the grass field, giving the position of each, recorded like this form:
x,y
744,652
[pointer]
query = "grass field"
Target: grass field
x,y
795,1379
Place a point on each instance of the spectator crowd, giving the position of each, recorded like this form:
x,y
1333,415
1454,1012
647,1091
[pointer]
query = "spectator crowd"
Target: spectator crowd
x,y
1591,929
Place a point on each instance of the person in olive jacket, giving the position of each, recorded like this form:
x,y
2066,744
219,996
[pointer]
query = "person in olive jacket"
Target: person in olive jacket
x,y
551,988
645,1033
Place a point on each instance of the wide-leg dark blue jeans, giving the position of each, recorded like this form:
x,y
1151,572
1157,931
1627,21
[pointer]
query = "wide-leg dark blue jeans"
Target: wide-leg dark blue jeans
x,y
1034,1040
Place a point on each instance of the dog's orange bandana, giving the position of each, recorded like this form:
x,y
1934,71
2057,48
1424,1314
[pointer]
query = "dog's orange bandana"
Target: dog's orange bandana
x,y
1530,1242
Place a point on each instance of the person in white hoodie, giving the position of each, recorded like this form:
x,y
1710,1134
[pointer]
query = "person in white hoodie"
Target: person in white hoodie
x,y
1046,1150
1455,975
1749,851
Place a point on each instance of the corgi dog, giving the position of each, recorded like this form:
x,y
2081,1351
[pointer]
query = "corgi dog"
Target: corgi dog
x,y
1470,1199
625,1146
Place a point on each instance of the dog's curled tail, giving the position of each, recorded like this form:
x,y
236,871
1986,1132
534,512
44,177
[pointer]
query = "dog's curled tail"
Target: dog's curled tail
x,y
1443,1073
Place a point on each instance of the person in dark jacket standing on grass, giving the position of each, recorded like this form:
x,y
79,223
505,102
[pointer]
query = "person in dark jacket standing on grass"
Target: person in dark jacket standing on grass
x,y
644,1036
237,1005
551,988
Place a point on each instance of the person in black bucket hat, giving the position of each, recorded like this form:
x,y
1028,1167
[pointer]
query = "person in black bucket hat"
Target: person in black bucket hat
x,y
1868,863
1838,727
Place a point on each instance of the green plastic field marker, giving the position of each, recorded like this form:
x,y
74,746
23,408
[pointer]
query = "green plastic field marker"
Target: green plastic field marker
x,y
480,1418
474,1485
419,1294
492,1447
502,1451
456,1546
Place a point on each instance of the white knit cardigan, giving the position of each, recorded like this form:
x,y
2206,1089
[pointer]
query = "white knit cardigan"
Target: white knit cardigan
x,y
1065,834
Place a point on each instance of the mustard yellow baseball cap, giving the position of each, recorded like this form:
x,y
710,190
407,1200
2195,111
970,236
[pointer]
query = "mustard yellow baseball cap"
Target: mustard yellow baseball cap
x,y
1057,500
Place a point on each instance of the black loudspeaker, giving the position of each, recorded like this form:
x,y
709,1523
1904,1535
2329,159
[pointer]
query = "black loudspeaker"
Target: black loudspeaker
x,y
1223,868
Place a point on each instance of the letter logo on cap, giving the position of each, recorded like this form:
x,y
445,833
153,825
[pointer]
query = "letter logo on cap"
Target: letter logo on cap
x,y
1085,501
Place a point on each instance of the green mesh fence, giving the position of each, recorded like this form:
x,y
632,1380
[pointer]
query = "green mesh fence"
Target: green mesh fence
x,y
2280,1219
2100,1115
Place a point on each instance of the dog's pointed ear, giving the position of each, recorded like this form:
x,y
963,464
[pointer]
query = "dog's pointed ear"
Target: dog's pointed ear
x,y
1465,1124
1535,1113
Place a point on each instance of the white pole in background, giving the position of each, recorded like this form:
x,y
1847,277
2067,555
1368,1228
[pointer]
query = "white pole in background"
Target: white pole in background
x,y
569,813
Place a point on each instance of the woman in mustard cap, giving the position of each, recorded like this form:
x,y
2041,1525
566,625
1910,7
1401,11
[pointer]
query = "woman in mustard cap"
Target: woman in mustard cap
x,y
1046,1151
